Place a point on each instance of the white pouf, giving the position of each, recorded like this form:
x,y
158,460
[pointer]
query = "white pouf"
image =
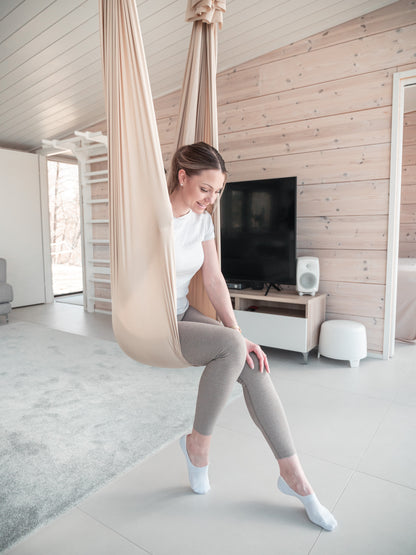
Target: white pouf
x,y
344,340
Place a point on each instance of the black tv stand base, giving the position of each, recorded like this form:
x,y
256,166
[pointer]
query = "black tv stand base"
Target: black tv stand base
x,y
275,285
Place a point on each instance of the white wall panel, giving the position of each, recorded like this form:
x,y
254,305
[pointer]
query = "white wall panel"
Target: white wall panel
x,y
21,234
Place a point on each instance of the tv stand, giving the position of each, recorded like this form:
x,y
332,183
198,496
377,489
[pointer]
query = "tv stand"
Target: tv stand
x,y
283,319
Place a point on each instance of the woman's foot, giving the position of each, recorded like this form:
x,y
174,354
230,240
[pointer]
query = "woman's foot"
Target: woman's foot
x,y
197,447
198,475
317,513
298,484
292,472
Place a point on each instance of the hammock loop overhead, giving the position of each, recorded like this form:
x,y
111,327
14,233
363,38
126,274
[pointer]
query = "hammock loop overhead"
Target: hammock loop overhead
x,y
208,11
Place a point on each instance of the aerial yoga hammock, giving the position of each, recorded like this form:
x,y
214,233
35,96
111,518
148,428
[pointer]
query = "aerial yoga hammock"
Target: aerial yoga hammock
x,y
141,220
141,226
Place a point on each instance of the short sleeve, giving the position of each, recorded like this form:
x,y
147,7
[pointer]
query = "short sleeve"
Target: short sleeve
x,y
209,232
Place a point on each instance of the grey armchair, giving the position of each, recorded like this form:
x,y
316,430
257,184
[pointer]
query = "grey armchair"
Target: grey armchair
x,y
6,291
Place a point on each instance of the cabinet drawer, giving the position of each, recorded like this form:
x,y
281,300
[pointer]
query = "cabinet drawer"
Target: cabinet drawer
x,y
274,330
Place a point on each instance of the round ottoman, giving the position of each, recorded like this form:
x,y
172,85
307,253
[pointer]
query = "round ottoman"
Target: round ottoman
x,y
344,340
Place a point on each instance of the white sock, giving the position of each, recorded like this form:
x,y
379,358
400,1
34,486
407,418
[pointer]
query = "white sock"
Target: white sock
x,y
316,512
198,475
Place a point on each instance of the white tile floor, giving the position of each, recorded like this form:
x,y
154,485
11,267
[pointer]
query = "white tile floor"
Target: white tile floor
x,y
355,430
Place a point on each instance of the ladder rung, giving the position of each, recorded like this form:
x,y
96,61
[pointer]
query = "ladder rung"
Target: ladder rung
x,y
99,280
99,261
99,299
100,241
97,201
96,160
97,222
105,271
101,172
92,181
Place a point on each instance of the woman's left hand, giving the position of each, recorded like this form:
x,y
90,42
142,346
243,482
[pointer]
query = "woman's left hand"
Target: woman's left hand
x,y
263,362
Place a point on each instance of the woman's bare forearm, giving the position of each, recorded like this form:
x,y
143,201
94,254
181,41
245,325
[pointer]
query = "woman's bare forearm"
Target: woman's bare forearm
x,y
219,296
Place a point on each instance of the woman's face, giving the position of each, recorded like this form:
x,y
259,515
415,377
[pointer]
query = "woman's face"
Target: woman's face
x,y
199,191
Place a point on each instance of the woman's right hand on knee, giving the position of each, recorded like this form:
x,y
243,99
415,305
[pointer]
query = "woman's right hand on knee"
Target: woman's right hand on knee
x,y
262,357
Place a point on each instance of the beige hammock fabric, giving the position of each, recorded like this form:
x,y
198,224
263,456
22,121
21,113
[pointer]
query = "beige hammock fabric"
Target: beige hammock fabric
x,y
141,222
198,108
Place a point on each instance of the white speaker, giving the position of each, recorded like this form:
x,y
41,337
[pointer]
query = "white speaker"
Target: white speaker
x,y
307,275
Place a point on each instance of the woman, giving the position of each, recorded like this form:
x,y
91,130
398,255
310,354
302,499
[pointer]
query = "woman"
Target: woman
x,y
196,180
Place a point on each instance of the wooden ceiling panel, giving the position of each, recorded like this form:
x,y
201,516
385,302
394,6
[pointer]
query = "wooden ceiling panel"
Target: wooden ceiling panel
x,y
50,60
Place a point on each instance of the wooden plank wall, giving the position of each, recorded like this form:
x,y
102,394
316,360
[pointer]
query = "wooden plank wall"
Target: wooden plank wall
x,y
320,109
407,245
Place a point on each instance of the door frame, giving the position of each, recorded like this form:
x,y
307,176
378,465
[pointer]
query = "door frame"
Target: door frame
x,y
400,81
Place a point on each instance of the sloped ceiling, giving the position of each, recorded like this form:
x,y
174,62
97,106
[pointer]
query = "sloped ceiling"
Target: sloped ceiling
x,y
50,66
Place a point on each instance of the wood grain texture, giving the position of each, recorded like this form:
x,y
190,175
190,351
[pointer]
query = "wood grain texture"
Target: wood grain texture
x,y
408,233
326,166
353,232
355,93
366,127
354,299
399,14
408,194
408,214
343,199
409,154
408,175
355,266
357,57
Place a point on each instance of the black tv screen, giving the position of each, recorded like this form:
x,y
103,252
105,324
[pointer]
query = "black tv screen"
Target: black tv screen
x,y
258,231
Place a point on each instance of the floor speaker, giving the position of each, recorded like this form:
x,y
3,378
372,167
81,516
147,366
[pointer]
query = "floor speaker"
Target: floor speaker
x,y
307,275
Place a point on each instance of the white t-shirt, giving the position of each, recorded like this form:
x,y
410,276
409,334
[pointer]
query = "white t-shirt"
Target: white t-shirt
x,y
189,233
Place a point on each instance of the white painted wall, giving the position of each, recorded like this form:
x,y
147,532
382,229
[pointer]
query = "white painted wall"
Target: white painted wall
x,y
23,226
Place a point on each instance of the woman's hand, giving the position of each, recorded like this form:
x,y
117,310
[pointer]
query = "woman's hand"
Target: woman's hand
x,y
253,348
219,296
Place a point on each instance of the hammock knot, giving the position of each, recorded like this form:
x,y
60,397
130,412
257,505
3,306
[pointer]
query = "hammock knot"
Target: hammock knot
x,y
207,11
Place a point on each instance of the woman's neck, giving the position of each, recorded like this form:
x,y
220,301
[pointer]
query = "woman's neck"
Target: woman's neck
x,y
179,208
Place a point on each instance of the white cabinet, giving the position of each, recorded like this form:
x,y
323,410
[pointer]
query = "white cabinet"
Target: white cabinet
x,y
283,319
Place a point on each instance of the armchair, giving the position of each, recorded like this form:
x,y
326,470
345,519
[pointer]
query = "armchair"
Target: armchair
x,y
6,291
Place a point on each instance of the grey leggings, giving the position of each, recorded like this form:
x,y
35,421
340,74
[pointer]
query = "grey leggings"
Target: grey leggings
x,y
205,342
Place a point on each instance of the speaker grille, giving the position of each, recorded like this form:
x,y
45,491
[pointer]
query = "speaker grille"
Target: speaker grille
x,y
308,280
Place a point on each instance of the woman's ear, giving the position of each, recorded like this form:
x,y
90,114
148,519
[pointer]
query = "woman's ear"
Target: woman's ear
x,y
181,176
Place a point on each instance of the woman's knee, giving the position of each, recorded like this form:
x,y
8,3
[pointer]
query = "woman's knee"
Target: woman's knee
x,y
232,350
236,345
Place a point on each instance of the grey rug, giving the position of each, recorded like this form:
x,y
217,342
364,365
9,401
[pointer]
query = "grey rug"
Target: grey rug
x,y
74,413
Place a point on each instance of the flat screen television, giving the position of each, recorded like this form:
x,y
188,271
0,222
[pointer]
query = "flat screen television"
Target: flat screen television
x,y
258,232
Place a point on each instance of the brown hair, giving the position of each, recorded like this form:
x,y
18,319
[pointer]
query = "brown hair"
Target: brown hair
x,y
194,159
